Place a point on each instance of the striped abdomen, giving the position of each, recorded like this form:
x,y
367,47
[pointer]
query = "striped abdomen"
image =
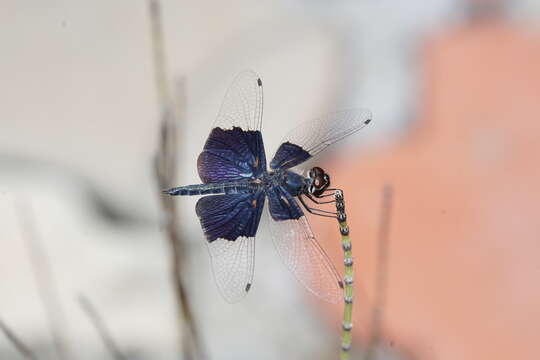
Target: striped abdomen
x,y
223,188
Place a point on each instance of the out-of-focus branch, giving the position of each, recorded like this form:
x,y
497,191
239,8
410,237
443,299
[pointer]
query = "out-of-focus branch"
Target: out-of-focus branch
x,y
381,274
47,288
160,64
17,343
101,328
165,172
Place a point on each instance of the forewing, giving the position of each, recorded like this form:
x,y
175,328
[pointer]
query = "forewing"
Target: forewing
x,y
243,103
310,138
300,251
231,155
234,150
230,223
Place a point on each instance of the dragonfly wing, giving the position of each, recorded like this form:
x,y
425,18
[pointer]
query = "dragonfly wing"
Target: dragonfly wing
x,y
234,150
312,137
298,248
230,224
233,265
243,103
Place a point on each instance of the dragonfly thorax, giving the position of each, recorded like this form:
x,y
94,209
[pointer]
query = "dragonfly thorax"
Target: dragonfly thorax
x,y
316,182
294,183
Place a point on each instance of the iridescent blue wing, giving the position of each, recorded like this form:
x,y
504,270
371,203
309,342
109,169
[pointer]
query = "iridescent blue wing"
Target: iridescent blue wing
x,y
298,248
310,138
230,224
282,205
234,150
230,216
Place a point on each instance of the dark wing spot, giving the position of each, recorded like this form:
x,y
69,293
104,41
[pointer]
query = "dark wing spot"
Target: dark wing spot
x,y
248,286
259,82
367,121
340,283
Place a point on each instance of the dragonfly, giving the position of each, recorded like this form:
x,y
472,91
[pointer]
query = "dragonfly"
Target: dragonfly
x,y
232,167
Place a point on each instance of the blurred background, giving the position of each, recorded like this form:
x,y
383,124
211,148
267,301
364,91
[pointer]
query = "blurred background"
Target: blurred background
x,y
454,87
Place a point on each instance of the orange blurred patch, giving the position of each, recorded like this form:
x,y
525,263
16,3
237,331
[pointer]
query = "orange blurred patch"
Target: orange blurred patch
x,y
464,255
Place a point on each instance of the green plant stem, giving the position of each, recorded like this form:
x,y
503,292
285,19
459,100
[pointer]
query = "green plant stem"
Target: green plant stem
x,y
348,278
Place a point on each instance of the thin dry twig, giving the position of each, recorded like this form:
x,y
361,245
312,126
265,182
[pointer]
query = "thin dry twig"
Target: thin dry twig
x,y
101,328
46,283
165,172
21,347
381,273
160,64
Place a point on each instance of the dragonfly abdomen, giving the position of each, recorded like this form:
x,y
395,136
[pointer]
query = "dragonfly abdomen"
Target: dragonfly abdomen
x,y
222,188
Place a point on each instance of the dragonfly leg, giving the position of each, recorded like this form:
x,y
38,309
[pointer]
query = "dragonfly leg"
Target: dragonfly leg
x,y
310,197
315,211
331,192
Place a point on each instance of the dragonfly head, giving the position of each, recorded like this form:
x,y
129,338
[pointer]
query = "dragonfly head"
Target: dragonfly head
x,y
320,181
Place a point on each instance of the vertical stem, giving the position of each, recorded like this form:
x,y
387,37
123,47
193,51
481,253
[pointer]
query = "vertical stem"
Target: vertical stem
x,y
101,328
159,54
381,274
348,279
45,280
23,349
165,171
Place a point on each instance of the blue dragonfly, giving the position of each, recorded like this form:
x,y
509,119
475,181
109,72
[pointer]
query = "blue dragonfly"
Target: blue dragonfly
x,y
232,167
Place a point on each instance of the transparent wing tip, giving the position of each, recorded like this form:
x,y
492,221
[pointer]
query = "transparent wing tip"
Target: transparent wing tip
x,y
233,298
331,298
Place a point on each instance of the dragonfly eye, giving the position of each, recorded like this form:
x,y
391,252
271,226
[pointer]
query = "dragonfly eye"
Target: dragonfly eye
x,y
317,171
